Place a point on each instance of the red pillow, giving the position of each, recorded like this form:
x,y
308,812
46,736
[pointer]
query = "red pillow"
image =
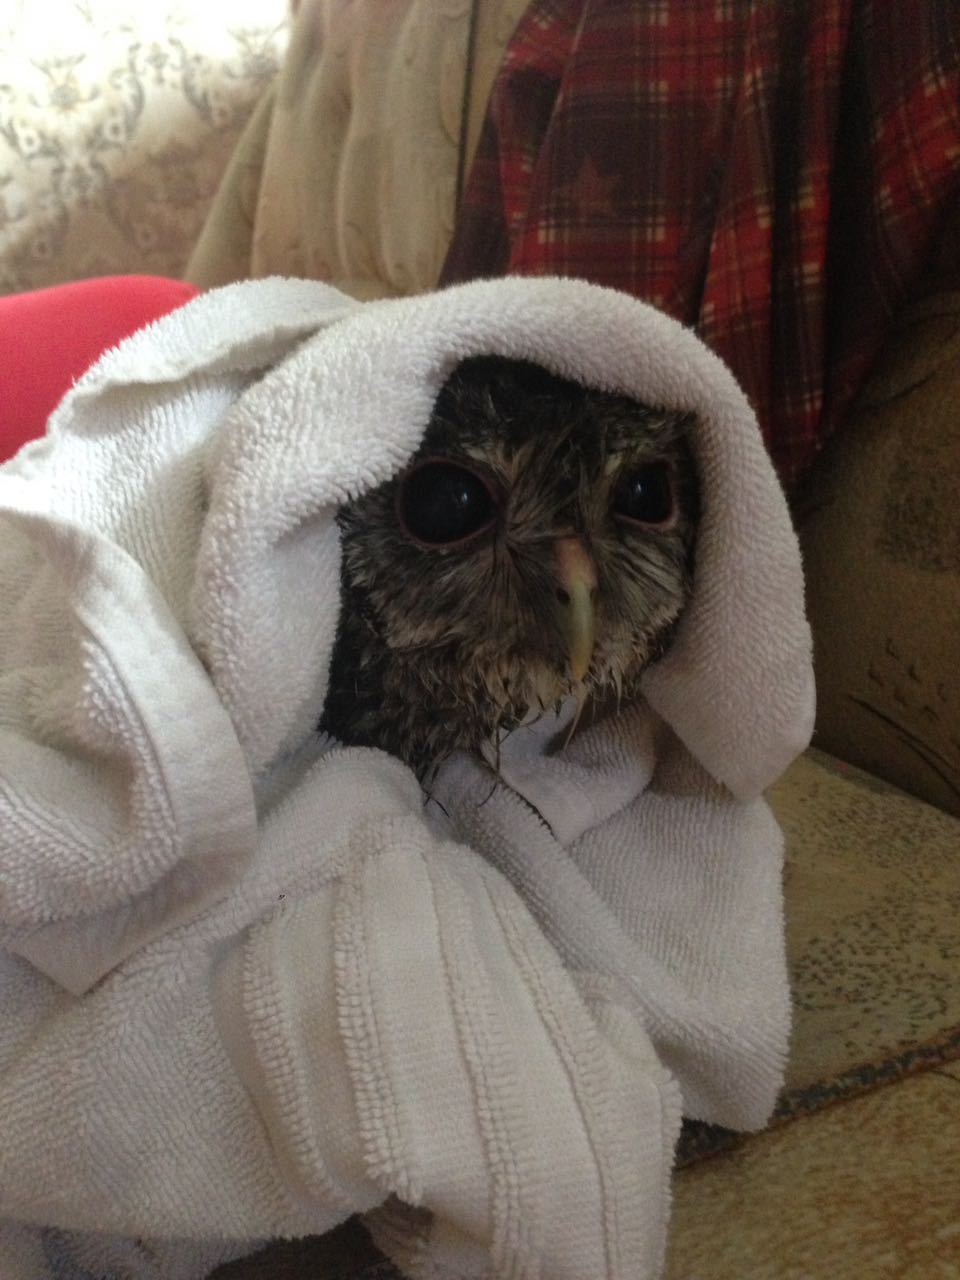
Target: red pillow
x,y
51,336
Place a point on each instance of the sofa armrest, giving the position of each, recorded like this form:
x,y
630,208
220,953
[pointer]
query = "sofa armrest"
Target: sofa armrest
x,y
880,529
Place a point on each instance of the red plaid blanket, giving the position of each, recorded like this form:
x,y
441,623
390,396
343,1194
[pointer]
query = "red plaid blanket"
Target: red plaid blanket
x,y
775,174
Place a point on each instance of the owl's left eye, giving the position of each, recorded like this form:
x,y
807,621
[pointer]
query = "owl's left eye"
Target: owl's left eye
x,y
645,496
441,503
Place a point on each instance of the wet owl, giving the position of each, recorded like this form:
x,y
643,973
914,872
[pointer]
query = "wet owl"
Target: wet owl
x,y
540,544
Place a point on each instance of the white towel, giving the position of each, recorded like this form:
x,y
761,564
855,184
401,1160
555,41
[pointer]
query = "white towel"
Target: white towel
x,y
249,984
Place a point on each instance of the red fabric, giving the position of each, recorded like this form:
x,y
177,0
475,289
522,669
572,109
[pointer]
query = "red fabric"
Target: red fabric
x,y
51,336
775,174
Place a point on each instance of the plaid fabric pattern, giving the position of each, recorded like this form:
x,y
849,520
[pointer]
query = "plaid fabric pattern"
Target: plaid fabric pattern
x,y
777,175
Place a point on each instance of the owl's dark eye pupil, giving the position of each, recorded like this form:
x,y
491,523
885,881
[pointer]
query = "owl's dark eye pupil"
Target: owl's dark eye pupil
x,y
440,503
645,495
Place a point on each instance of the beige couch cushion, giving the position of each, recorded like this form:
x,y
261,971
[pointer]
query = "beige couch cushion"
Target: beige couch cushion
x,y
872,902
865,1191
348,171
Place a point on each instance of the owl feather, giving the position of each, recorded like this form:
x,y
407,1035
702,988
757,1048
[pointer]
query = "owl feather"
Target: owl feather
x,y
539,545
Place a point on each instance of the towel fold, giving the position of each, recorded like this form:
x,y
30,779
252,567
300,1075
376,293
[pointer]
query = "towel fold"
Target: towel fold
x,y
250,982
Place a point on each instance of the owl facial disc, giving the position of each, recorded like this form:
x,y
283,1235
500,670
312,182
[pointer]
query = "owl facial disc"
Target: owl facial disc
x,y
538,546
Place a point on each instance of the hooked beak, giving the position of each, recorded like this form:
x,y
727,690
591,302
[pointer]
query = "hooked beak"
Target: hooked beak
x,y
576,594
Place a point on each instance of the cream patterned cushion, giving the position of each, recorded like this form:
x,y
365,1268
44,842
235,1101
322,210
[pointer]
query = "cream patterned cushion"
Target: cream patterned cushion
x,y
116,121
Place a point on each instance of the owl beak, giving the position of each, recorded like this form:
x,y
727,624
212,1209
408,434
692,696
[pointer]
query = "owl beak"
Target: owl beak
x,y
576,596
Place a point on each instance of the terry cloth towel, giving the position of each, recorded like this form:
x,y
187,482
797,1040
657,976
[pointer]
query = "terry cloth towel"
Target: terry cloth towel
x,y
249,983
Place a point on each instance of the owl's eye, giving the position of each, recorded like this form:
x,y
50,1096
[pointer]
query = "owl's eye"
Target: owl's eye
x,y
442,503
645,496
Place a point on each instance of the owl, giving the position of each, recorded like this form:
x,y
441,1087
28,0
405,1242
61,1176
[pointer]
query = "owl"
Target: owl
x,y
538,546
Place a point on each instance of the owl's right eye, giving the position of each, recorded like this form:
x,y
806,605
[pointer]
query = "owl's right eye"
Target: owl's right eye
x,y
441,504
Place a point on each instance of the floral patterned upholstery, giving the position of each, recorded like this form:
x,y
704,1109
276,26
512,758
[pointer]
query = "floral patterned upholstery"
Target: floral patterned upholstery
x,y
116,121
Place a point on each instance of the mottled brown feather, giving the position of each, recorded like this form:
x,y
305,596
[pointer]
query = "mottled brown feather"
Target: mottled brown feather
x,y
440,648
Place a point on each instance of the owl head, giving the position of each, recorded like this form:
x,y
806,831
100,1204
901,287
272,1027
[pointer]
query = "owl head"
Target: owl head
x,y
539,544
